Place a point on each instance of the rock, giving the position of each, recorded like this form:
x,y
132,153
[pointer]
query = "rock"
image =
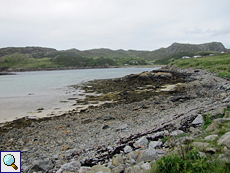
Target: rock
x,y
147,155
225,86
99,169
222,120
224,158
218,111
119,169
72,166
194,131
128,149
227,114
199,120
223,95
227,144
133,162
210,150
117,160
86,121
202,154
223,139
146,166
65,147
108,117
162,151
105,127
41,165
134,169
159,135
163,75
141,142
226,99
133,155
176,132
200,145
122,127
154,144
84,169
211,137
215,125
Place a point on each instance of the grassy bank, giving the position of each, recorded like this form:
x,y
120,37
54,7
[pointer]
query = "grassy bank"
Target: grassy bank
x,y
219,64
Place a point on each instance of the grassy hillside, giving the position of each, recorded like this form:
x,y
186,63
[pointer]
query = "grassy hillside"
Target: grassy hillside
x,y
39,57
219,64
24,61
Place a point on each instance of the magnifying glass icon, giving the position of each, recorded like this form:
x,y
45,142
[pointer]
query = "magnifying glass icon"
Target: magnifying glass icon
x,y
9,160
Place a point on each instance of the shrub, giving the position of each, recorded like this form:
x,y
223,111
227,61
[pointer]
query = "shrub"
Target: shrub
x,y
192,162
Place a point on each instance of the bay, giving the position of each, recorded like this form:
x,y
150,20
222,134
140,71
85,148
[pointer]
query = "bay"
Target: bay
x,y
22,94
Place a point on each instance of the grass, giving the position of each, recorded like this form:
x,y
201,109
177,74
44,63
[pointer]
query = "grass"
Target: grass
x,y
219,64
25,61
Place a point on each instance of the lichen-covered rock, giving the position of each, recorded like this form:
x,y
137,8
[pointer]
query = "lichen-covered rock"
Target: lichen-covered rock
x,y
201,145
99,168
227,114
119,169
215,125
117,160
223,139
218,111
84,169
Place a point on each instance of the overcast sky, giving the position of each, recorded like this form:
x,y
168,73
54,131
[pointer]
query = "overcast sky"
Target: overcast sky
x,y
114,24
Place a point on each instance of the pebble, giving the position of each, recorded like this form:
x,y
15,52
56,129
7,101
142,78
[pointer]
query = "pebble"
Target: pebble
x,y
128,149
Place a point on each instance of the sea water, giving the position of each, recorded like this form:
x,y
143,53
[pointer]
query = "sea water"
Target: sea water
x,y
25,92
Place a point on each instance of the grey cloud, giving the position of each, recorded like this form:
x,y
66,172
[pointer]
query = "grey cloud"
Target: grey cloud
x,y
115,24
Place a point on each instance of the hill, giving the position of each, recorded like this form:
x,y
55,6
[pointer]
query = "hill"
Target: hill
x,y
39,57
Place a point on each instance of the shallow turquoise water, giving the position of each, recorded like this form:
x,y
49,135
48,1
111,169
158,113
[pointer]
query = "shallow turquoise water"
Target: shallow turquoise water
x,y
27,91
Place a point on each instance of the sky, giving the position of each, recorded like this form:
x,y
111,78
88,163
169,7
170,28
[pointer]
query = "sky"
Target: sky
x,y
113,24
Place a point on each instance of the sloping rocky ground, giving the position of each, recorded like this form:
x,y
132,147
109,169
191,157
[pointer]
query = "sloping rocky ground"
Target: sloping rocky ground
x,y
127,135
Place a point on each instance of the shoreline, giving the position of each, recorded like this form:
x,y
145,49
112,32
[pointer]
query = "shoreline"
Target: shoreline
x,y
96,135
9,71
70,94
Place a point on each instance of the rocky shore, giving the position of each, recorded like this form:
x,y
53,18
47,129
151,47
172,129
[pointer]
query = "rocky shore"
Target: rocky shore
x,y
125,136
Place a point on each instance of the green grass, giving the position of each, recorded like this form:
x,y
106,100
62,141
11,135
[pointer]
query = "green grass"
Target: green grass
x,y
219,64
25,61
192,162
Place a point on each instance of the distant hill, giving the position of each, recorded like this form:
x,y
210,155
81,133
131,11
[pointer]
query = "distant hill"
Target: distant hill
x,y
178,50
40,57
